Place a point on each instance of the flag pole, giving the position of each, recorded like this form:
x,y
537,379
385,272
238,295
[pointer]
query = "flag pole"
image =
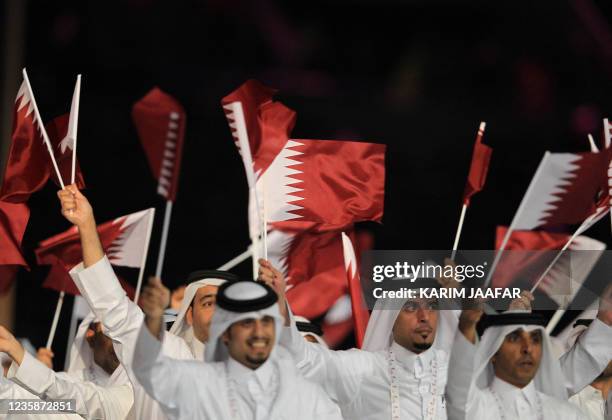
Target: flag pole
x,y
236,260
42,128
264,219
554,320
75,108
58,310
516,217
164,240
144,255
459,229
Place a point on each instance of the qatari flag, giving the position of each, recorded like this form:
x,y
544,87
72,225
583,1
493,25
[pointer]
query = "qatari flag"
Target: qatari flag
x,y
57,130
313,265
360,313
481,157
160,123
13,221
26,169
324,185
124,241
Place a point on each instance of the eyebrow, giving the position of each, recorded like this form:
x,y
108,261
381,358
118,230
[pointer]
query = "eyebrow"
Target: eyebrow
x,y
206,297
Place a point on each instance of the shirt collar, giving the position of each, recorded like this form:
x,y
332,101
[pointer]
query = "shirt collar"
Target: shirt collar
x,y
508,391
411,360
240,373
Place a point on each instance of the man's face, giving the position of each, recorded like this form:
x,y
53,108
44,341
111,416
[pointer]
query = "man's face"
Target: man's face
x,y
201,311
102,348
415,325
250,341
518,359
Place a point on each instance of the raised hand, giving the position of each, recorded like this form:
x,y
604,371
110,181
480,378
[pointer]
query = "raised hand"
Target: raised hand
x,y
469,318
523,302
154,300
276,280
10,345
45,356
75,207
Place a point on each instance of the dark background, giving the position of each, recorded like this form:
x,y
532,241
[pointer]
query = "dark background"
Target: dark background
x,y
418,76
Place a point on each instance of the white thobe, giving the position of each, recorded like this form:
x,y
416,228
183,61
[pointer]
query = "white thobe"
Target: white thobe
x,y
227,390
580,365
360,381
122,319
591,402
92,401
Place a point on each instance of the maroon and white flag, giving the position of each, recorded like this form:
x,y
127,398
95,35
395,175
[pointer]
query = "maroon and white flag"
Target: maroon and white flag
x,y
360,312
13,221
313,265
63,148
562,191
160,123
26,169
124,240
481,157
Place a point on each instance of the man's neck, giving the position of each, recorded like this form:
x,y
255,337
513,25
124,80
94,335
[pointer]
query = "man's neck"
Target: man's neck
x,y
603,386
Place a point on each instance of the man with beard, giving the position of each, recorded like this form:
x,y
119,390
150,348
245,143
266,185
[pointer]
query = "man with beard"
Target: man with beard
x,y
245,377
122,318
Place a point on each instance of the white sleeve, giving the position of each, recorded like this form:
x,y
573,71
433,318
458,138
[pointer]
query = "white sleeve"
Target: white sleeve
x,y
462,402
91,401
339,373
120,316
588,358
168,381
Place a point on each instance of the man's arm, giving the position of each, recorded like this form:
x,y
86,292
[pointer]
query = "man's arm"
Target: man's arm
x,y
92,401
339,372
461,363
587,359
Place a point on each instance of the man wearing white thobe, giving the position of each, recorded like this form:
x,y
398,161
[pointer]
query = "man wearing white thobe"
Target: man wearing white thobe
x,y
512,372
98,392
246,376
122,317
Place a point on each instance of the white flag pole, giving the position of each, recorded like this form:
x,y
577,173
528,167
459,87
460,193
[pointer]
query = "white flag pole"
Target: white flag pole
x,y
242,137
144,254
594,148
73,124
236,260
58,310
515,219
42,128
164,240
264,220
459,229
554,320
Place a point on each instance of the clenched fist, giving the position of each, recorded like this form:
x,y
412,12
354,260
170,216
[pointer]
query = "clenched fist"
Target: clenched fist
x,y
75,207
10,345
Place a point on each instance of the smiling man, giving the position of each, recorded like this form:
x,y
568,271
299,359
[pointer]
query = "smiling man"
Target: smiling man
x,y
245,377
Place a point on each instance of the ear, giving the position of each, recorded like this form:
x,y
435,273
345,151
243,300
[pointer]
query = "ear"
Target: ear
x,y
226,336
189,316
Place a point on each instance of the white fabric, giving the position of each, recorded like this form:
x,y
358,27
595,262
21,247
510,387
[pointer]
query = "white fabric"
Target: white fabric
x,y
122,318
11,390
317,337
470,375
359,381
195,390
93,399
592,404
